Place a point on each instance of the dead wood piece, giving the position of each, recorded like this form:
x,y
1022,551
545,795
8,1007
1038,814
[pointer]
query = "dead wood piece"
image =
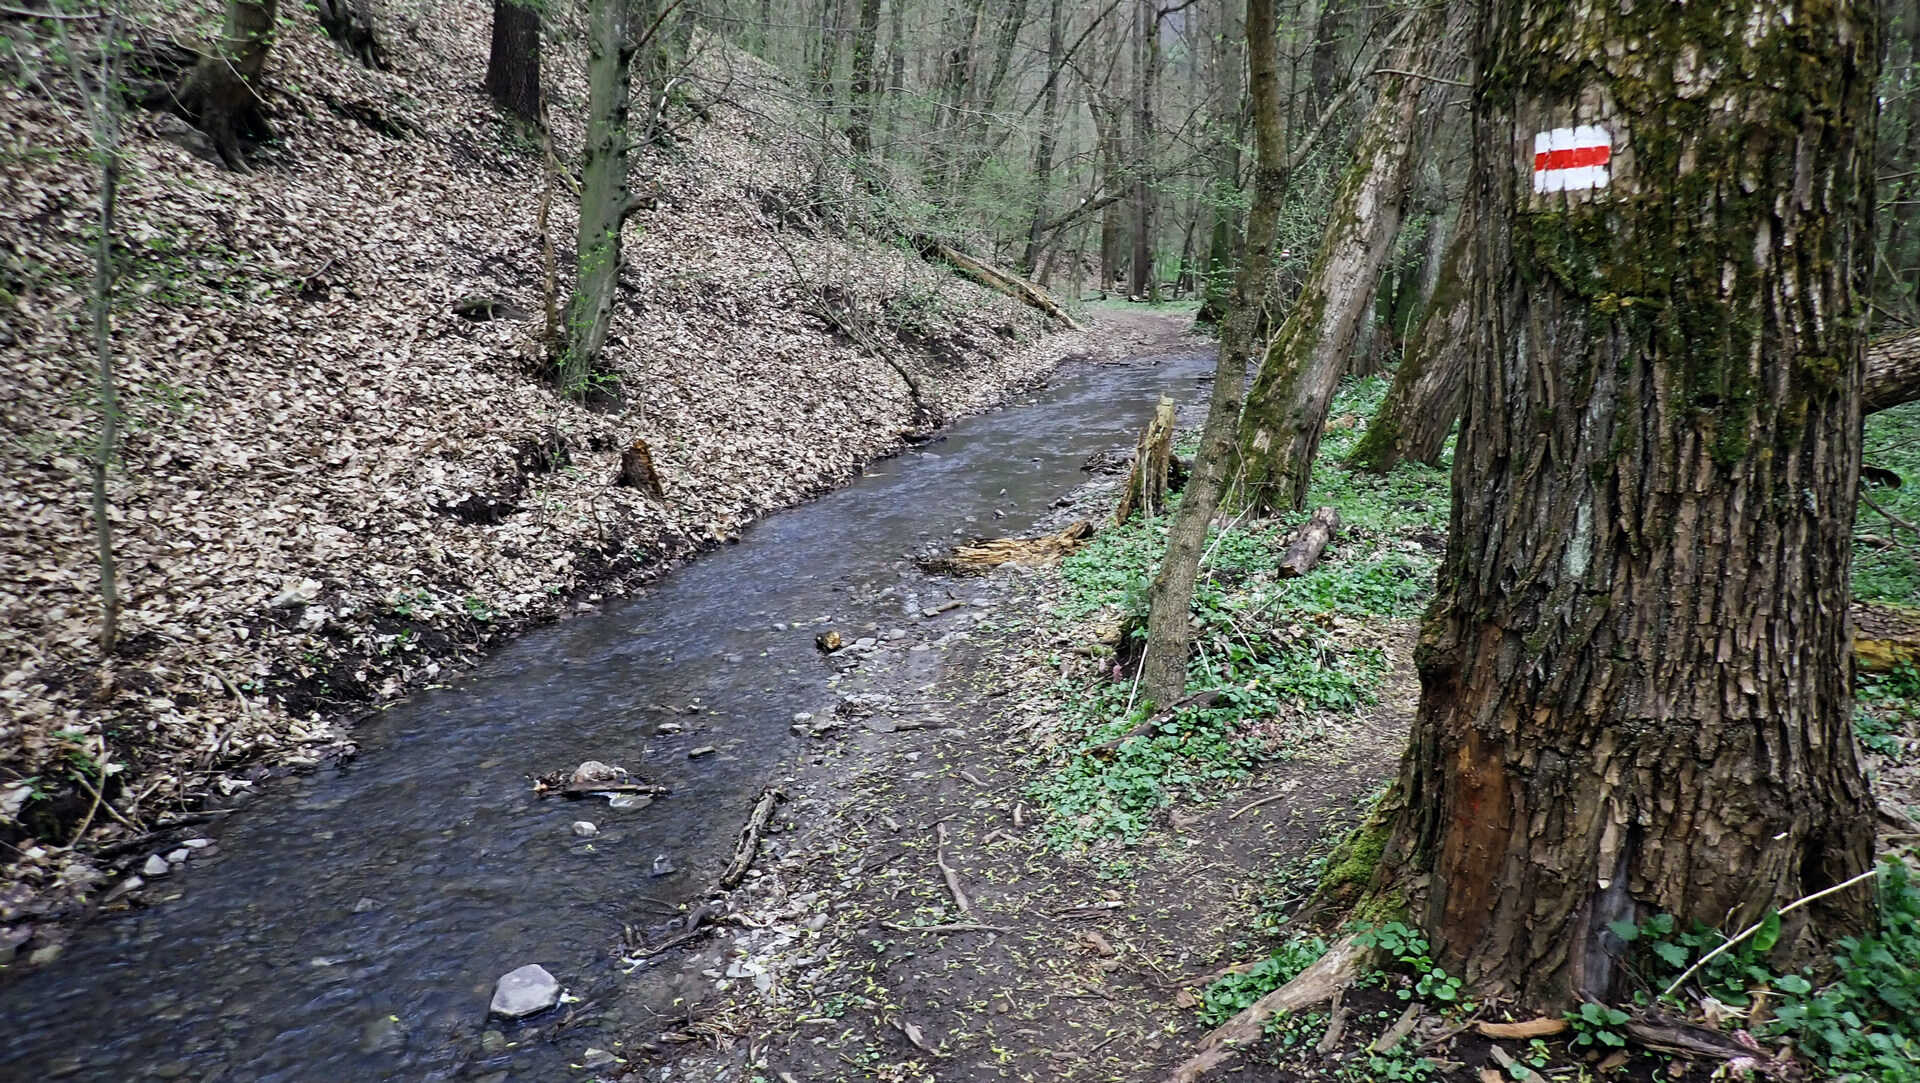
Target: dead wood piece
x,y
480,308
749,844
1336,1025
637,472
1001,281
1332,973
913,1035
696,925
1285,789
647,788
1147,480
1669,1035
946,872
1885,636
936,610
947,927
1390,1039
1310,543
1532,1028
978,557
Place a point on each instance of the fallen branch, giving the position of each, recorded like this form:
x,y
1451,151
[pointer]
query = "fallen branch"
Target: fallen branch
x,y
1197,700
696,926
749,844
948,927
1000,281
946,871
977,557
1332,973
1532,1028
1284,791
1310,543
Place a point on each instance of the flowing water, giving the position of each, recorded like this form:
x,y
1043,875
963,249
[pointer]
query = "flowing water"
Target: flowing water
x,y
350,924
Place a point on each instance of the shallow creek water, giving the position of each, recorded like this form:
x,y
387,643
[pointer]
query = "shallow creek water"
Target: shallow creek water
x,y
349,924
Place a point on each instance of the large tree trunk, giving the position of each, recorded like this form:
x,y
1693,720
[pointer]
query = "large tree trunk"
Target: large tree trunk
x,y
221,94
1280,431
1424,401
1143,283
1635,679
513,61
605,202
1169,618
861,88
1224,194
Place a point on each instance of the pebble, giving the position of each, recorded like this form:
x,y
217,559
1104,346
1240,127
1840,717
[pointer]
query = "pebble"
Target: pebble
x,y
156,866
492,1042
196,844
662,866
803,716
383,1034
735,659
598,1058
896,634
703,750
629,800
520,993
365,905
668,727
585,829
179,855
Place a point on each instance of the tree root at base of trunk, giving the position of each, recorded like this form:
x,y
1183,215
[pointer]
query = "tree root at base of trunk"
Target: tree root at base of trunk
x,y
1334,971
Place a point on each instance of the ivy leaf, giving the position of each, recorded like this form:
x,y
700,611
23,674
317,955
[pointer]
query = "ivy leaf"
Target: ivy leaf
x,y
1769,934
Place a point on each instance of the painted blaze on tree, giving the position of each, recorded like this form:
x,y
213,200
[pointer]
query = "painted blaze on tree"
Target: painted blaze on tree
x,y
1635,681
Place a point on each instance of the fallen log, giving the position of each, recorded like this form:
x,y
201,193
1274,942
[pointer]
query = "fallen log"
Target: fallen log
x,y
998,280
1310,543
1885,636
1893,372
980,556
1334,971
1152,469
749,844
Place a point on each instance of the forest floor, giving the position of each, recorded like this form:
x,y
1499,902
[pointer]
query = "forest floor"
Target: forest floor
x,y
984,879
337,483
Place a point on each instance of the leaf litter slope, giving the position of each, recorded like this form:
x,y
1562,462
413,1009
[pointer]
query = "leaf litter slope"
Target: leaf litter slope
x,y
333,488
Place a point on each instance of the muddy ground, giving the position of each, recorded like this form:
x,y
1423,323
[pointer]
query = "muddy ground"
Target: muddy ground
x,y
1057,966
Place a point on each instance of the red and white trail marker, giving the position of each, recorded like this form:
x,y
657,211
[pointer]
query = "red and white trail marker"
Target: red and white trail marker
x,y
1571,159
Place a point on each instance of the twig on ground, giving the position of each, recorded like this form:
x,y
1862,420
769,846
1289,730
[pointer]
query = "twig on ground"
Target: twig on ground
x,y
946,871
1284,791
949,927
749,844
1755,927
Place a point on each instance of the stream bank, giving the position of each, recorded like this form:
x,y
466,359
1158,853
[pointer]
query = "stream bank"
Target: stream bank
x,y
351,921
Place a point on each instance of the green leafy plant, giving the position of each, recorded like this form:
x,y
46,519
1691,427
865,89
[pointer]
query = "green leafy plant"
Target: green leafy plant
x,y
1226,997
1597,1026
1410,951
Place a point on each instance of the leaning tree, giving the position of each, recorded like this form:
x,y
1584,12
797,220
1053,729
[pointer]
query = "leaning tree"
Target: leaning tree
x,y
1635,680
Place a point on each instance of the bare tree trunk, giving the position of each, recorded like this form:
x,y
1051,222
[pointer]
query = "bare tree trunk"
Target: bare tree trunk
x,y
1143,282
1049,120
1424,402
1223,195
222,93
861,88
1280,431
513,60
1163,670
1635,679
605,202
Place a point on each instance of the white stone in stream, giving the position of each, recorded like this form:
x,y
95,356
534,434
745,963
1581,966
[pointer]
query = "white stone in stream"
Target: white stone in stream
x,y
585,829
629,800
703,750
803,716
179,855
520,993
196,844
156,866
591,772
865,643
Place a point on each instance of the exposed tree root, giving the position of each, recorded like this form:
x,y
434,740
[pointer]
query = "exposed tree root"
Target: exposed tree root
x,y
1334,971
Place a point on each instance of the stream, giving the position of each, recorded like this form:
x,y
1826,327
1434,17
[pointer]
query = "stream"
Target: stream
x,y
349,924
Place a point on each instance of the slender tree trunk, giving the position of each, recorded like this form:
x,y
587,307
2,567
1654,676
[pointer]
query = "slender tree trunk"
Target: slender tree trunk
x,y
1332,34
1635,679
1144,283
1163,672
1287,408
513,61
1049,120
605,202
1224,193
860,91
222,93
1424,402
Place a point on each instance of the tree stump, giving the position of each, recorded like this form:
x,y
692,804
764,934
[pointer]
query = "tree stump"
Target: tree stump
x,y
636,470
1152,463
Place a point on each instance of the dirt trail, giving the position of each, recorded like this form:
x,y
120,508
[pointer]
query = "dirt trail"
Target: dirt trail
x,y
1057,966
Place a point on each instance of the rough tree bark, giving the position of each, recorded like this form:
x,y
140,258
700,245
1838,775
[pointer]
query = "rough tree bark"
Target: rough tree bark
x,y
1893,372
860,88
1287,407
221,95
1635,679
1142,282
605,201
513,60
1223,195
1424,401
1163,673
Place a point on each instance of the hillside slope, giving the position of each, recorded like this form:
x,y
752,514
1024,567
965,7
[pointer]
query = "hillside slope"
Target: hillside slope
x,y
332,487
